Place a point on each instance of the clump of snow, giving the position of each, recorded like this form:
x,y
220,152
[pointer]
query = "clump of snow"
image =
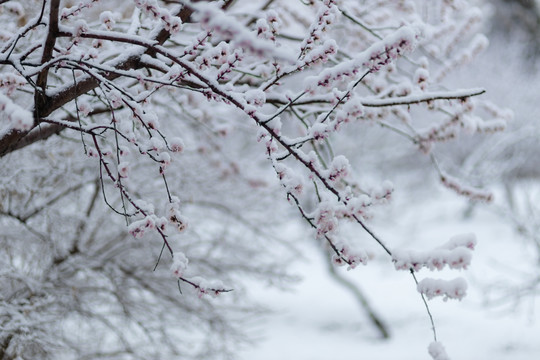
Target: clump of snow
x,y
107,19
179,264
325,218
255,97
175,217
290,180
378,55
176,145
339,168
437,351
448,289
19,118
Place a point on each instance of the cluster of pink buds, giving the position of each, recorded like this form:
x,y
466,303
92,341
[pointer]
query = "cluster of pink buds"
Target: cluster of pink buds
x,y
325,17
448,289
320,54
351,257
379,54
339,168
198,43
138,228
391,48
291,181
263,29
437,259
421,77
268,28
229,65
470,192
172,23
175,217
76,10
456,254
325,219
318,131
207,287
217,55
352,110
443,132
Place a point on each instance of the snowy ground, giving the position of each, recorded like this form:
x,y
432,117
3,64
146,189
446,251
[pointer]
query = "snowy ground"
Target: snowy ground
x,y
320,320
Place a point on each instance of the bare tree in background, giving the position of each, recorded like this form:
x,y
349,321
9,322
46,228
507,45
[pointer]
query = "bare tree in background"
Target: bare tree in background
x,y
521,20
172,120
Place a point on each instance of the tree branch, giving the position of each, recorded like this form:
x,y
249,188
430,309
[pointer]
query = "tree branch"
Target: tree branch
x,y
48,104
50,41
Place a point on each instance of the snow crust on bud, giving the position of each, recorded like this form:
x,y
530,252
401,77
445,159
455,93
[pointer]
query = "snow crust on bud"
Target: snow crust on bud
x,y
421,78
448,289
456,254
255,97
213,18
349,255
173,24
138,228
339,168
179,264
79,27
116,98
291,181
84,107
320,53
380,54
326,15
107,19
14,7
175,217
325,218
207,287
318,131
463,240
176,145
